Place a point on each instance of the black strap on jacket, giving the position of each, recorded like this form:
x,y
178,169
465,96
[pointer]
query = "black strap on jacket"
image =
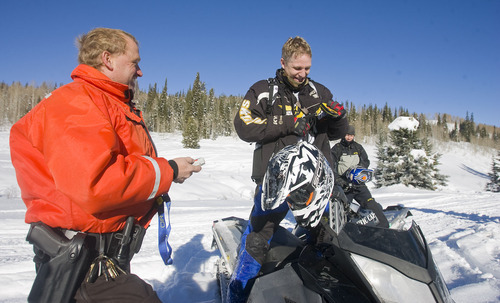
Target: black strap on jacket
x,y
272,96
273,86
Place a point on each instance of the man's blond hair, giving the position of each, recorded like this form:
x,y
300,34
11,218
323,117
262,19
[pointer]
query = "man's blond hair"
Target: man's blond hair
x,y
92,44
295,47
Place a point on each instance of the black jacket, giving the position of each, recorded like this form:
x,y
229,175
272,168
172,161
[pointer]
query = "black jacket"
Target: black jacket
x,y
273,129
348,155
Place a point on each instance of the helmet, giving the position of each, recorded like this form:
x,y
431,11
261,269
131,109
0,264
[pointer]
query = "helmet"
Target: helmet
x,y
300,175
359,175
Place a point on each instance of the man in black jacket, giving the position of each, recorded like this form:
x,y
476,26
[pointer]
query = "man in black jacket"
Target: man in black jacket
x,y
347,155
276,113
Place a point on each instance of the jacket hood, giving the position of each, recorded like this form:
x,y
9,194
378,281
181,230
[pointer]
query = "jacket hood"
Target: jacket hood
x,y
86,73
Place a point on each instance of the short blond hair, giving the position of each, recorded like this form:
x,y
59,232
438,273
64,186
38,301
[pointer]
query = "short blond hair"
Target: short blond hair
x,y
92,44
295,47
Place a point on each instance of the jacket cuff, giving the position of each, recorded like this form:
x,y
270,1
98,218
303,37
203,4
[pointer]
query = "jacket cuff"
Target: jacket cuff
x,y
174,166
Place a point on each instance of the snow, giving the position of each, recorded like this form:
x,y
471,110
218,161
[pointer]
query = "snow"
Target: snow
x,y
460,221
408,123
418,153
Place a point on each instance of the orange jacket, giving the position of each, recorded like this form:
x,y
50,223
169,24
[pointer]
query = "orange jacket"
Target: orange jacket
x,y
84,159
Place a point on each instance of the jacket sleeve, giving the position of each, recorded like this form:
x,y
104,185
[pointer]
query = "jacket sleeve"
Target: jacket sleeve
x,y
363,157
89,163
336,152
252,124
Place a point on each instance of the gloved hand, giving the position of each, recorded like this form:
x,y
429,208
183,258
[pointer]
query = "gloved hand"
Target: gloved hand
x,y
302,125
341,182
339,195
333,108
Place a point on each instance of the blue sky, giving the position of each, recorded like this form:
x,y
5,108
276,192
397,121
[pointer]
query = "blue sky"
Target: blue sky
x,y
440,56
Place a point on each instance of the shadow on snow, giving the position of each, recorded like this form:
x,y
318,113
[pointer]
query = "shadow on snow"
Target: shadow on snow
x,y
474,172
189,260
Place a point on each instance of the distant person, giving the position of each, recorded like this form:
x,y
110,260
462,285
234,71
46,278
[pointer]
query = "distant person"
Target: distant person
x,y
347,155
276,113
86,165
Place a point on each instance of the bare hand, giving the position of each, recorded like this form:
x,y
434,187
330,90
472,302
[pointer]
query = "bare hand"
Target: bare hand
x,y
186,168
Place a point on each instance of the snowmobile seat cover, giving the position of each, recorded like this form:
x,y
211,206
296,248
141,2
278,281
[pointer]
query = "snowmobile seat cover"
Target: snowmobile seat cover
x,y
300,175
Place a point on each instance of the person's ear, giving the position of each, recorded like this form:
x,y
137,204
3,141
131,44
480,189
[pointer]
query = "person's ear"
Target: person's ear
x,y
106,60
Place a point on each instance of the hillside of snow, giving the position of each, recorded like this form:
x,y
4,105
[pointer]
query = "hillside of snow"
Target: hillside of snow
x,y
460,222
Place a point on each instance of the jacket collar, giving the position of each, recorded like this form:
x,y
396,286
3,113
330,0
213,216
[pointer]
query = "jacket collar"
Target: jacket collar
x,y
282,78
86,73
345,142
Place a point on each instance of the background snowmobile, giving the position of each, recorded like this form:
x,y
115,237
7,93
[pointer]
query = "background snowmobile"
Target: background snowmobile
x,y
345,258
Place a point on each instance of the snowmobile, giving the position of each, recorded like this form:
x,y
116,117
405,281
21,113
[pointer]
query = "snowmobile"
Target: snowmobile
x,y
343,256
352,260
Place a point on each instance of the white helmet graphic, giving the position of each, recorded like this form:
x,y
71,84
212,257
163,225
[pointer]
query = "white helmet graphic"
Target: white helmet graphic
x,y
300,175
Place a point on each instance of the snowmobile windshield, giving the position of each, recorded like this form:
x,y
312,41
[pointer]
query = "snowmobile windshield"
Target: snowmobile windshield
x,y
410,247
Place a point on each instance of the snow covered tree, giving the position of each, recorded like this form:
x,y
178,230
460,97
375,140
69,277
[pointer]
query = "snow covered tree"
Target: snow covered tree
x,y
494,184
407,159
190,135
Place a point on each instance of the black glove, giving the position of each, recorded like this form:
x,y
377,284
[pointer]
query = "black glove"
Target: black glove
x,y
303,124
341,182
338,194
333,108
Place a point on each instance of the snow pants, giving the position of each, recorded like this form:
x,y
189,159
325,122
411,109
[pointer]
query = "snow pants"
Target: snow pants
x,y
254,247
362,195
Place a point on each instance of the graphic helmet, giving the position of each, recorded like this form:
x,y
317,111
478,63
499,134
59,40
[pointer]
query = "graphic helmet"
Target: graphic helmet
x,y
300,175
359,175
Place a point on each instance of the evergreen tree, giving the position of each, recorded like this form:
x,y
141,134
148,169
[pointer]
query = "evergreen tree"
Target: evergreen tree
x,y
494,184
386,114
386,172
210,121
495,135
467,127
164,110
194,114
190,135
407,160
454,133
151,108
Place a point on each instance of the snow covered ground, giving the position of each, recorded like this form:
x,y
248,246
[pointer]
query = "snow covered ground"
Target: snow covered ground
x,y
460,222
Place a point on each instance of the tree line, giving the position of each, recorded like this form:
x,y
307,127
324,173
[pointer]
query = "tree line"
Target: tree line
x,y
201,114
372,121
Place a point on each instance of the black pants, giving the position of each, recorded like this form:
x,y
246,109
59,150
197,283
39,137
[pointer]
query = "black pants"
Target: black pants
x,y
362,195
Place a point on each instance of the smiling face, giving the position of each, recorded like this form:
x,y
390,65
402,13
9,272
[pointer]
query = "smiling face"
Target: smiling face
x,y
125,67
297,68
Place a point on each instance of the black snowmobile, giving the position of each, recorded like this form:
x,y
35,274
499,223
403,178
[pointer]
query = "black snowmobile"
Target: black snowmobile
x,y
350,260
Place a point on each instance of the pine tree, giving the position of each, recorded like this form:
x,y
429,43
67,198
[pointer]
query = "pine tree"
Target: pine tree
x,y
194,114
407,160
385,174
494,184
151,108
454,133
190,135
386,113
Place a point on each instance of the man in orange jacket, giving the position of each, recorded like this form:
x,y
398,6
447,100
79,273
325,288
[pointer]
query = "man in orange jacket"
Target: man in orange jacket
x,y
84,159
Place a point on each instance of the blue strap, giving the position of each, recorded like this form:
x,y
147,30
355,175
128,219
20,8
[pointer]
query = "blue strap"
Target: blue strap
x,y
164,229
